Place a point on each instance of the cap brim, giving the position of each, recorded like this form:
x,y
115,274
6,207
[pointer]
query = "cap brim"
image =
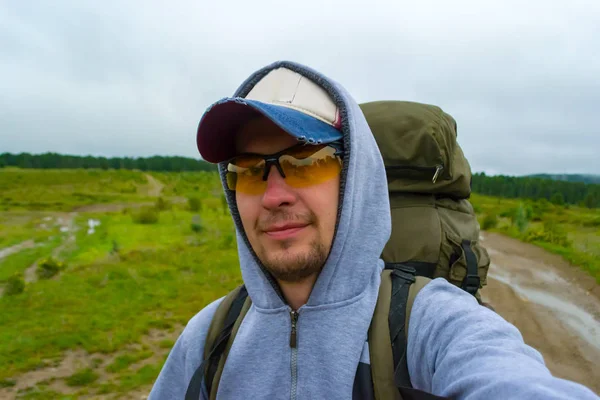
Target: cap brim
x,y
221,122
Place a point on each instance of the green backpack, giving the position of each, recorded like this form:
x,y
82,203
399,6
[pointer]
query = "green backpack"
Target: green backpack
x,y
434,234
434,227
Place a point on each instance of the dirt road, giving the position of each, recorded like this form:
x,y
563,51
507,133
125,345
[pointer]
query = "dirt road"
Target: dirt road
x,y
555,306
16,248
155,186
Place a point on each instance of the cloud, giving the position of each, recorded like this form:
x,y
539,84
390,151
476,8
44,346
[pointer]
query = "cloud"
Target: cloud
x,y
133,78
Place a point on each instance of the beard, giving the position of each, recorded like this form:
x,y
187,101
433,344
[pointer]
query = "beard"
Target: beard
x,y
289,267
287,264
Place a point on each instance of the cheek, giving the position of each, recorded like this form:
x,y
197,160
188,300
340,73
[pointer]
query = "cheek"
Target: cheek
x,y
248,207
324,203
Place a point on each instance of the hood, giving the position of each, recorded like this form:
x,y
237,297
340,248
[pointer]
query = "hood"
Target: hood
x,y
363,221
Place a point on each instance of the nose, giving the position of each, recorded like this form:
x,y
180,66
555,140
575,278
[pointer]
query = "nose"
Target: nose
x,y
278,192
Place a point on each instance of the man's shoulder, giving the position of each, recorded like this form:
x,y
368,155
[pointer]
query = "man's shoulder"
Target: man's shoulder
x,y
442,290
195,332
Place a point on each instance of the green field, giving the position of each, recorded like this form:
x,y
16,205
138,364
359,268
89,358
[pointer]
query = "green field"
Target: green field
x,y
124,292
570,231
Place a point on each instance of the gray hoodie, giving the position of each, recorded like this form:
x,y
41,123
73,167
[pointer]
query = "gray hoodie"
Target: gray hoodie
x,y
332,327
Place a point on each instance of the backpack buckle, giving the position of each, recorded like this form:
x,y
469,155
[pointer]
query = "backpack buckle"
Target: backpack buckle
x,y
470,284
399,270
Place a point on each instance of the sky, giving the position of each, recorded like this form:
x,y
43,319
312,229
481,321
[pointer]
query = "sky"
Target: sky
x,y
133,78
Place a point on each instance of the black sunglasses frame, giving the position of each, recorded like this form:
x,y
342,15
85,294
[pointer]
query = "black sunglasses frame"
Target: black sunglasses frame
x,y
273,159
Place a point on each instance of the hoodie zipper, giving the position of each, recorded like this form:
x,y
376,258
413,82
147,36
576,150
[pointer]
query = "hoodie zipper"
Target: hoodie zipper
x,y
293,346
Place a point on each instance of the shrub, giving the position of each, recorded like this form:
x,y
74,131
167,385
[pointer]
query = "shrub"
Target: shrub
x,y
551,233
558,199
162,204
48,268
197,224
520,219
6,383
592,222
194,203
82,378
14,285
115,247
490,222
228,241
591,200
146,215
537,210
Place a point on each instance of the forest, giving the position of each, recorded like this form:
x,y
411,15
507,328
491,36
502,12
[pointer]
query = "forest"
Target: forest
x,y
558,192
60,161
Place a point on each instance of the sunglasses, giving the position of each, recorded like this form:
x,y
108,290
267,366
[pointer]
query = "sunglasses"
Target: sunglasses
x,y
301,166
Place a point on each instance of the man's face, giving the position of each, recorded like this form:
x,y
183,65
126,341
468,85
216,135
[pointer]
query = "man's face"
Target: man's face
x,y
290,229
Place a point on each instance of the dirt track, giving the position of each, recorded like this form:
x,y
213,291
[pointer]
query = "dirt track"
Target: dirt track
x,y
555,306
155,186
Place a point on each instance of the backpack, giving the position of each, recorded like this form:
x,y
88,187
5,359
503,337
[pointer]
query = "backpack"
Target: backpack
x,y
434,226
435,233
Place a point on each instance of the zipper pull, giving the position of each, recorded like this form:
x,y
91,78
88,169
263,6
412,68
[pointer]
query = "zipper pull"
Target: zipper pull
x,y
293,335
438,170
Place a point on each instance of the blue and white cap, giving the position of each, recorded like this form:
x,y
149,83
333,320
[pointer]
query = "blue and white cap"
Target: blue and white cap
x,y
293,102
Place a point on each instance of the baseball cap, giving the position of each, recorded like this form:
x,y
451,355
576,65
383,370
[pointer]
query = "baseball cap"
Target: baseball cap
x,y
290,100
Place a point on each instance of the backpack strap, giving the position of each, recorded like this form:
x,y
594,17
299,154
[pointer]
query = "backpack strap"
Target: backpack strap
x,y
223,328
389,370
471,281
422,268
397,292
382,362
402,279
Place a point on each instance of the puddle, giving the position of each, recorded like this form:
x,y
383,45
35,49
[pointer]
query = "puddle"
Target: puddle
x,y
92,223
581,321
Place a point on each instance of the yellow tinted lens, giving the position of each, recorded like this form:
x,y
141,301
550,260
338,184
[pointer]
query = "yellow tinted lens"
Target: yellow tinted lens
x,y
245,173
310,165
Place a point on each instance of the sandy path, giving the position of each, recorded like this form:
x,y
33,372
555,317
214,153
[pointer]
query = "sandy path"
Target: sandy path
x,y
156,186
7,251
555,306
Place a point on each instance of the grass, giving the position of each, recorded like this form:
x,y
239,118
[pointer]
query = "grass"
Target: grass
x,y
4,383
87,306
154,276
82,377
18,227
570,231
166,344
144,376
41,392
200,184
124,361
63,190
19,262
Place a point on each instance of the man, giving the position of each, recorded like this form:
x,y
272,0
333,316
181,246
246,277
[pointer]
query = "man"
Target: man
x,y
307,190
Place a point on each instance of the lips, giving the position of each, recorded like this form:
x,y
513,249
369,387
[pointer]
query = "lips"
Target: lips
x,y
284,231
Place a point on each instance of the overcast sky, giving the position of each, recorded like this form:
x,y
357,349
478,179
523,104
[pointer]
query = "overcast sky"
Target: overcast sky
x,y
127,78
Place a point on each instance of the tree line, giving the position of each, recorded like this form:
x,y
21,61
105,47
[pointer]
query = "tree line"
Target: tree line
x,y
585,178
555,191
54,160
532,187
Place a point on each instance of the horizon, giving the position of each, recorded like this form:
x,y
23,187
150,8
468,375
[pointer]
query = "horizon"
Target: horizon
x,y
202,160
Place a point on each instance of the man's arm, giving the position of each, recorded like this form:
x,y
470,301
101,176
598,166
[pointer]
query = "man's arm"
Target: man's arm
x,y
459,349
184,357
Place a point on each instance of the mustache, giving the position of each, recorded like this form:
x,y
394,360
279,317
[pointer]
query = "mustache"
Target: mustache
x,y
279,216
